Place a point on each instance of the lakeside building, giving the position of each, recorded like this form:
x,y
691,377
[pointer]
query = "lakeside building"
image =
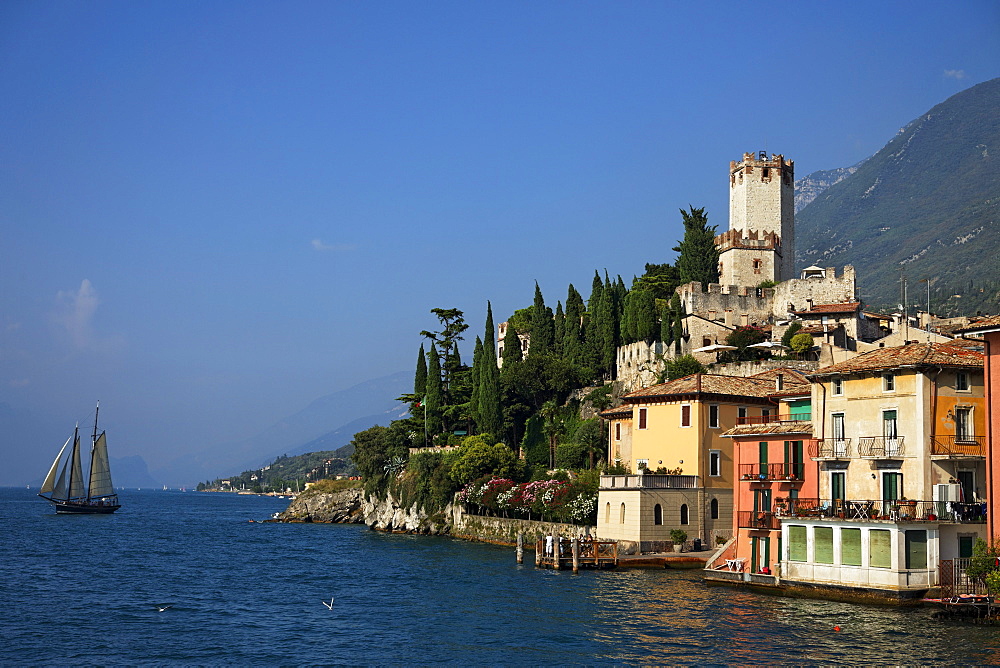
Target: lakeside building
x,y
988,329
898,440
671,436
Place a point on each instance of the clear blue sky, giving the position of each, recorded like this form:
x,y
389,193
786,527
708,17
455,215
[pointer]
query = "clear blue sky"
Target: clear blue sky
x,y
215,212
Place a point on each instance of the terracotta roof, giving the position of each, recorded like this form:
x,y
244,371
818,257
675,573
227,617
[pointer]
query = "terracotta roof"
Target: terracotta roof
x,y
986,324
617,412
847,307
789,427
877,316
706,383
911,355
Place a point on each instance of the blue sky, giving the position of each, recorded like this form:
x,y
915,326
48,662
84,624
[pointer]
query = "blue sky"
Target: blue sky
x,y
216,212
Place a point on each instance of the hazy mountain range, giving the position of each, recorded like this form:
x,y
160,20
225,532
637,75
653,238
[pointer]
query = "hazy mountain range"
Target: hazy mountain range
x,y
925,206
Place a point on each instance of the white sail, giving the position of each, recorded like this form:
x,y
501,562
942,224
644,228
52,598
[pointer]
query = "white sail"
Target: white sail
x,y
76,476
50,479
100,470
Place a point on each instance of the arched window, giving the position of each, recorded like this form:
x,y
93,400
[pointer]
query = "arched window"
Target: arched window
x,y
684,513
657,514
622,520
607,513
714,509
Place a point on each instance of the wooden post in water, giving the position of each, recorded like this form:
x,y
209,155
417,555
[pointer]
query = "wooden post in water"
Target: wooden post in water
x,y
539,552
576,555
520,547
555,551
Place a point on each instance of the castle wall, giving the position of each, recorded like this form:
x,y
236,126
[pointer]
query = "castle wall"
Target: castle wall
x,y
830,289
640,364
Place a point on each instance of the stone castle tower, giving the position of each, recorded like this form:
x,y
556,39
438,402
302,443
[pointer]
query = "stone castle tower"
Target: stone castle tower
x,y
760,242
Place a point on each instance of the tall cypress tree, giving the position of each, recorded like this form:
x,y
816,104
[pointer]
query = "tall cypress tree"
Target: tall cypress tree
x,y
420,377
698,258
644,318
557,329
477,369
594,327
511,346
488,414
435,393
677,308
541,325
666,326
572,326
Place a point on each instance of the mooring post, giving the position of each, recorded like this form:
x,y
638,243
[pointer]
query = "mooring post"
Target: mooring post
x,y
520,547
556,551
539,552
576,555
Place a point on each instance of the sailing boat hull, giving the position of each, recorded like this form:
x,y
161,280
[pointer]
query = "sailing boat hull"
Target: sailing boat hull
x,y
67,508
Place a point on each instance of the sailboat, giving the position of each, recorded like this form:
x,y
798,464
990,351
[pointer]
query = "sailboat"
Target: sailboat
x,y
64,485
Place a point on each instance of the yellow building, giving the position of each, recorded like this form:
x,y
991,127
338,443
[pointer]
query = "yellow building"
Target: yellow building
x,y
678,468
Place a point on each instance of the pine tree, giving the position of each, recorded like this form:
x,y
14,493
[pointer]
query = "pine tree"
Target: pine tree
x,y
489,415
698,258
435,392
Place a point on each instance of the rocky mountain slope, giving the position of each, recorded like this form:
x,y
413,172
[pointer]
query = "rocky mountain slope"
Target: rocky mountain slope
x,y
927,205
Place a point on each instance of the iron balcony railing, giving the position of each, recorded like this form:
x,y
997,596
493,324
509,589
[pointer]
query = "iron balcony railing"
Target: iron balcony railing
x,y
880,447
895,510
959,446
649,481
787,471
830,448
750,519
759,419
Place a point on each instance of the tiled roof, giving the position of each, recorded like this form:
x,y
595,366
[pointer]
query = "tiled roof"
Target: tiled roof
x,y
847,307
986,324
790,427
910,355
706,383
877,316
617,412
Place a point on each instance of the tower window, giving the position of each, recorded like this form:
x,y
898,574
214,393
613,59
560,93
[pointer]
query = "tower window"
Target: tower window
x,y
757,264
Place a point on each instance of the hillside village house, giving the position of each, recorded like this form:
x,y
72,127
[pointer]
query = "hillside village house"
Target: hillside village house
x,y
670,438
898,439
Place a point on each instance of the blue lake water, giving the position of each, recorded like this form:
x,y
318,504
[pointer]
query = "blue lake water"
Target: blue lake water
x,y
82,590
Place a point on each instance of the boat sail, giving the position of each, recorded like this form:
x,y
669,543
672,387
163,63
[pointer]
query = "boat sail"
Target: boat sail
x,y
64,484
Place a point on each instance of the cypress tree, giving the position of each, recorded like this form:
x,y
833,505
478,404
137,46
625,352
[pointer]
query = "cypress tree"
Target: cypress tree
x,y
420,378
477,369
557,329
489,415
435,393
645,316
541,325
572,326
512,346
678,311
666,326
698,258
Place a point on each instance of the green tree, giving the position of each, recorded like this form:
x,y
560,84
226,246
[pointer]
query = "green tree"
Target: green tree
x,y
490,416
477,458
793,329
373,449
435,393
698,258
801,343
511,346
452,325
666,326
420,377
743,338
677,310
542,325
682,366
534,445
572,344
660,279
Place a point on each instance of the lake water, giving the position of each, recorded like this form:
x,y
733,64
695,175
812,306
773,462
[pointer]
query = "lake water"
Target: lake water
x,y
83,590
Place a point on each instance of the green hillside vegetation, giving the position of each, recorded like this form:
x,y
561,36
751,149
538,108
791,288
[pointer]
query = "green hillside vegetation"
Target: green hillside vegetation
x,y
288,473
927,205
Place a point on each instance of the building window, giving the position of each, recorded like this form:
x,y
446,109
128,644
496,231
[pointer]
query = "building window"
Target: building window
x,y
916,548
757,264
715,463
642,418
684,513
779,382
686,415
880,548
823,544
618,431
850,547
607,513
713,416
963,424
797,543
892,485
888,382
657,514
713,509
621,519
741,415
838,387
962,381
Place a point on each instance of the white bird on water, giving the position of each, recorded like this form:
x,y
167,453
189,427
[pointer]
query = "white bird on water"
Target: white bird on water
x,y
329,605
161,608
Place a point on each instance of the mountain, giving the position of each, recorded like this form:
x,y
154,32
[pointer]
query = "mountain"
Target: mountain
x,y
927,205
340,439
811,186
324,416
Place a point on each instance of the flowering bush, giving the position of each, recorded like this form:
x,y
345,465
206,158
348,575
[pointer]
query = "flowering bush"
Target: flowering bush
x,y
553,499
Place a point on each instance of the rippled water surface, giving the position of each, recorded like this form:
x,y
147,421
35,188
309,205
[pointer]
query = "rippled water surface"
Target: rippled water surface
x,y
82,590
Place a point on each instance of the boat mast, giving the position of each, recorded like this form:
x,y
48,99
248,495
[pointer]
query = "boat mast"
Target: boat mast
x,y
93,447
74,453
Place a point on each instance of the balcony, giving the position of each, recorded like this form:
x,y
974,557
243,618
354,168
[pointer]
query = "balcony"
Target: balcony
x,y
748,519
830,449
873,510
762,419
786,472
649,481
880,447
958,447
